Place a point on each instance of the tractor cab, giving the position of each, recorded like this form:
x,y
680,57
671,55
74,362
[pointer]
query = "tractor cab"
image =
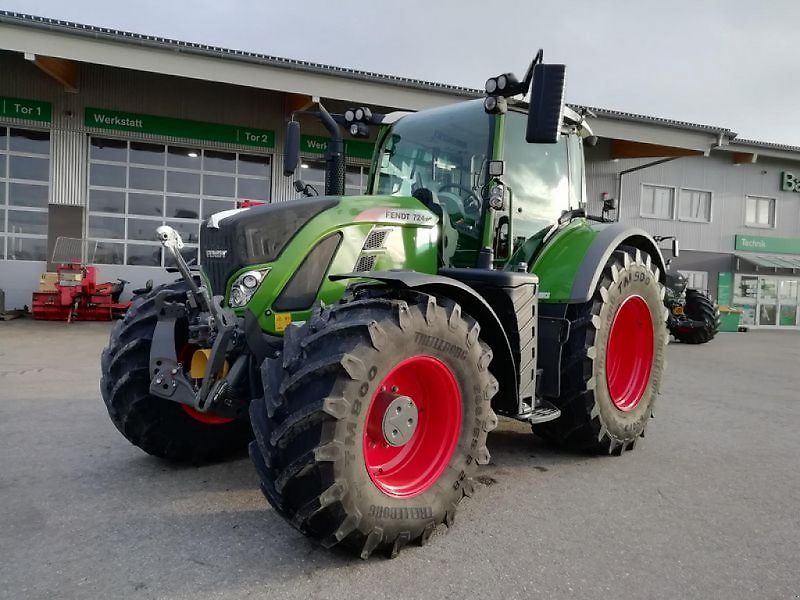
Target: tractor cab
x,y
475,169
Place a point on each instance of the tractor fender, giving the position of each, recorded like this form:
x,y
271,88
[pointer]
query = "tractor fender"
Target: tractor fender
x,y
492,330
605,243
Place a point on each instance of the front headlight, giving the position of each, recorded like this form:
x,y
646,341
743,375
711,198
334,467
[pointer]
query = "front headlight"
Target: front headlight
x,y
245,286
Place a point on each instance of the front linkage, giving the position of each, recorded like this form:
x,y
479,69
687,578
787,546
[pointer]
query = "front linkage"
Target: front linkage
x,y
210,326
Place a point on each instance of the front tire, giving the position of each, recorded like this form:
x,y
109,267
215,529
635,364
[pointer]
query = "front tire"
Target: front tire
x,y
159,426
699,307
336,398
613,360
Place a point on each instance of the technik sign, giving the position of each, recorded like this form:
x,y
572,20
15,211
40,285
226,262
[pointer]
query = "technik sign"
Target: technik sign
x,y
755,243
790,182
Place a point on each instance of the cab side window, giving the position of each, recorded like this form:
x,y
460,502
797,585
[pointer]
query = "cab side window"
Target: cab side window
x,y
538,177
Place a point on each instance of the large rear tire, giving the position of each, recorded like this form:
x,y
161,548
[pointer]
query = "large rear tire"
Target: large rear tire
x,y
158,426
613,360
699,307
334,401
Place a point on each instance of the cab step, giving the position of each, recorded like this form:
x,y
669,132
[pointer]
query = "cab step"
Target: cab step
x,y
541,413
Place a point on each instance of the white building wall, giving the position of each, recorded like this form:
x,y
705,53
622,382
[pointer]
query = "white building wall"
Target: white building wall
x,y
729,184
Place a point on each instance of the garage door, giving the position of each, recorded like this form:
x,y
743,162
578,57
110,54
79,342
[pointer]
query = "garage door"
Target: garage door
x,y
24,191
136,186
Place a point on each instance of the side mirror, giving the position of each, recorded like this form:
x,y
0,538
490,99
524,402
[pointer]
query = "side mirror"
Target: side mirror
x,y
676,250
546,104
291,148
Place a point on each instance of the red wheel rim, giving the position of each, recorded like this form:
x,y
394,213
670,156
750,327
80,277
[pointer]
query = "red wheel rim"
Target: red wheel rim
x,y
205,417
410,469
629,354
185,358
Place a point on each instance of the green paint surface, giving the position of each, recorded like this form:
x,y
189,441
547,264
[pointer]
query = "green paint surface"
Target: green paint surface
x,y
316,144
755,243
20,108
195,130
725,289
558,262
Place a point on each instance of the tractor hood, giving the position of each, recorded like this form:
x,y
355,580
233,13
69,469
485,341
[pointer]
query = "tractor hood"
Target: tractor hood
x,y
235,239
250,236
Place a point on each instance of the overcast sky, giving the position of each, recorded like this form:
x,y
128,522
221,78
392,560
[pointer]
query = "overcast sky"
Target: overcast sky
x,y
732,63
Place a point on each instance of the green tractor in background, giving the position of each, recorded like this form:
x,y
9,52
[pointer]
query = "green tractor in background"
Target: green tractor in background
x,y
372,341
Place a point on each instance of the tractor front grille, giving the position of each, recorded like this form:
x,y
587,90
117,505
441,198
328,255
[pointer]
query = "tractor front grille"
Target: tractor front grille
x,y
217,257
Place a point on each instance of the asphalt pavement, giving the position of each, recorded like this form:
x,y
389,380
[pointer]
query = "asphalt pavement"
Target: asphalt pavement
x,y
707,506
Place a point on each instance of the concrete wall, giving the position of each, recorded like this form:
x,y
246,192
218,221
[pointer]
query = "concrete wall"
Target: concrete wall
x,y
18,278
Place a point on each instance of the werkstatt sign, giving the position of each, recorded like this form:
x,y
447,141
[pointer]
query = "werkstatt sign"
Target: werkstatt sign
x,y
195,130
32,110
315,144
754,243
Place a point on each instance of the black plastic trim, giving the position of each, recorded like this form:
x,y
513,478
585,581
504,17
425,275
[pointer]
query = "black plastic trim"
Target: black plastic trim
x,y
302,289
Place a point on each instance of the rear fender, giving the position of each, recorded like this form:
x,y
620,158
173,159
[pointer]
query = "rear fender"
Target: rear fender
x,y
571,262
607,241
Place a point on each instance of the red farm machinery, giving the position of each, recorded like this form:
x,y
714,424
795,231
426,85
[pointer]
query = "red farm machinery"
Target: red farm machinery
x,y
72,292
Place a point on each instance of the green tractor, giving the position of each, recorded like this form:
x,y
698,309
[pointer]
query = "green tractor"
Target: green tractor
x,y
371,342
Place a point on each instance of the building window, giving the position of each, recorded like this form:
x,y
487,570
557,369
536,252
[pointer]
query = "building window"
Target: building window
x,y
759,212
24,192
355,179
696,280
694,205
136,186
657,202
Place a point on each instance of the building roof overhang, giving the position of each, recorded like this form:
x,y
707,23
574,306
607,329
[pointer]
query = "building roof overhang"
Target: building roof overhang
x,y
41,37
774,262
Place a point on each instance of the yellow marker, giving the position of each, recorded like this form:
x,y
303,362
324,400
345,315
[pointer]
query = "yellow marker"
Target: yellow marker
x,y
282,321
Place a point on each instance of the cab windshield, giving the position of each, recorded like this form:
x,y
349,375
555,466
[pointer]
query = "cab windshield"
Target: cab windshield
x,y
439,157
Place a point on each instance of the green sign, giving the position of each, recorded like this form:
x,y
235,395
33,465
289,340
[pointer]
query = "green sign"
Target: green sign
x,y
195,130
754,243
33,110
790,182
316,144
725,289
